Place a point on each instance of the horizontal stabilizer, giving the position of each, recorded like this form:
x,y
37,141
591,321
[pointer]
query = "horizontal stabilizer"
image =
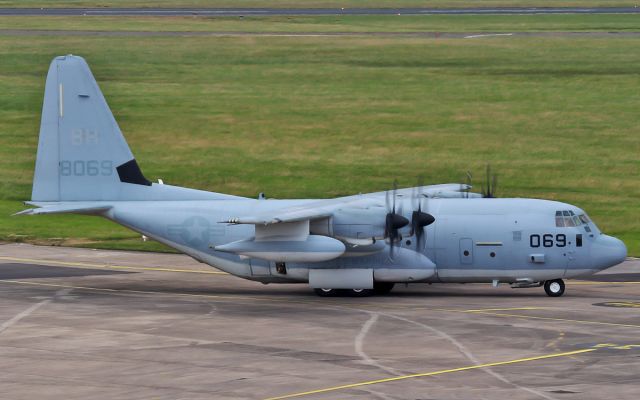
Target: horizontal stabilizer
x,y
67,208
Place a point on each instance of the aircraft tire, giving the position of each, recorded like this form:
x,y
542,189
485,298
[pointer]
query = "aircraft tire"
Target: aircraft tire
x,y
326,292
360,292
383,288
554,288
322,292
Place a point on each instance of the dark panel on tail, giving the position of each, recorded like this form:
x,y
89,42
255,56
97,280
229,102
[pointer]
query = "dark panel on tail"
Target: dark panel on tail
x,y
129,172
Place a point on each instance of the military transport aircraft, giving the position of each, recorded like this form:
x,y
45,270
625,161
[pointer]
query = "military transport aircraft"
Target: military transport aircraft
x,y
358,245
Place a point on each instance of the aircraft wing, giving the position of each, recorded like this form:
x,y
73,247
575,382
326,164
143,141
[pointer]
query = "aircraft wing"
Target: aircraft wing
x,y
326,208
309,211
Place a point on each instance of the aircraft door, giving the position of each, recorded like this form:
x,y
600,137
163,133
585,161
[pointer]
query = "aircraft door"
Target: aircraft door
x,y
577,252
466,251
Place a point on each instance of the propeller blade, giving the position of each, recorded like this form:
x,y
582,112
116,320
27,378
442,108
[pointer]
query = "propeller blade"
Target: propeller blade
x,y
394,221
419,218
492,184
395,193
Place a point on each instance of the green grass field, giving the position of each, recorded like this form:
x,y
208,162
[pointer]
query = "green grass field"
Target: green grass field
x,y
326,116
319,3
359,23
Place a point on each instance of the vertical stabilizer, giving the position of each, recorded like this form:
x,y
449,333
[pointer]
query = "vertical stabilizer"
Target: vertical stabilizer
x,y
82,154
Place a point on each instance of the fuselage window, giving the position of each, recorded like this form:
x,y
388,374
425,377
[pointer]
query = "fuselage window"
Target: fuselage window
x,y
579,240
559,219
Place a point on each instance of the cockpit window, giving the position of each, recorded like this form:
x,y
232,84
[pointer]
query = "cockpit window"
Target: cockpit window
x,y
567,218
559,219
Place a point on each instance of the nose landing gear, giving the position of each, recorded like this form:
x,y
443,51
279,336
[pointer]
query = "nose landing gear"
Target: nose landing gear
x,y
554,288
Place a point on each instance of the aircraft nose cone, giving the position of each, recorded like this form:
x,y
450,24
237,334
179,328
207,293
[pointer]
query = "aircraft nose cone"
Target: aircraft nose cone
x,y
607,251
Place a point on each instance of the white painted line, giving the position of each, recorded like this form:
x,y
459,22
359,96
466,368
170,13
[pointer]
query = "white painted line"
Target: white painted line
x,y
16,318
488,35
359,346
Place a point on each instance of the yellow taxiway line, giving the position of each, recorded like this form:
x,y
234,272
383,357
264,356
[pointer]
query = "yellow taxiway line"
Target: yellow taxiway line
x,y
433,373
580,321
129,291
504,309
110,266
570,282
168,269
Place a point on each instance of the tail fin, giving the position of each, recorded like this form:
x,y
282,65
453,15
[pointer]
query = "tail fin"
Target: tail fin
x,y
82,154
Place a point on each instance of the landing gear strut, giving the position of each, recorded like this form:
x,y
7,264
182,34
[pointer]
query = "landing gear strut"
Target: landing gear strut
x,y
554,288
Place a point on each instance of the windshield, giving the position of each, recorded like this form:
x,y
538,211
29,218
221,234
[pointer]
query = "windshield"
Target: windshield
x,y
567,218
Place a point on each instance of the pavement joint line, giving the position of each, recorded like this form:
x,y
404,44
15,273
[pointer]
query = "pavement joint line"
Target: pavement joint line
x,y
432,373
109,266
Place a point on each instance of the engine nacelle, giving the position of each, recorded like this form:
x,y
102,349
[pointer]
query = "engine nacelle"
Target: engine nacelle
x,y
347,224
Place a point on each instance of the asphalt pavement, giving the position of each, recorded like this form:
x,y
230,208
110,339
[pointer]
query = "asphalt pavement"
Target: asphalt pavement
x,y
82,323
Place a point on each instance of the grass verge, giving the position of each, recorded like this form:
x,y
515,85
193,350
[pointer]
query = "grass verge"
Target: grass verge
x,y
349,23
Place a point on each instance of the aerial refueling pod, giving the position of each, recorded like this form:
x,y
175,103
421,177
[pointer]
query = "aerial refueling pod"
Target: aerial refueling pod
x,y
314,248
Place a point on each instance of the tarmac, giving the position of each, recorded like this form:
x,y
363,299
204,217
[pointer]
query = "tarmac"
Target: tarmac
x,y
82,323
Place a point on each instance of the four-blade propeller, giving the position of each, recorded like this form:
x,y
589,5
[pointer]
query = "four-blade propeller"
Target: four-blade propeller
x,y
420,219
396,221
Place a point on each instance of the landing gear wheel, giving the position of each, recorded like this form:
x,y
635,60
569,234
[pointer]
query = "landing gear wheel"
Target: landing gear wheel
x,y
383,287
326,292
554,288
360,292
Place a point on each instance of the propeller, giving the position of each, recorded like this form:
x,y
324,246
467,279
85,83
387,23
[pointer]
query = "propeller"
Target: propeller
x,y
489,191
394,221
469,178
419,218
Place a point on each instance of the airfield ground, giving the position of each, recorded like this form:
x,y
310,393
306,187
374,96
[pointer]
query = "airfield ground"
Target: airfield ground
x,y
80,323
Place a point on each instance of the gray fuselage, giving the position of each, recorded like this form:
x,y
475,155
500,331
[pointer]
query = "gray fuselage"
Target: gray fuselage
x,y
472,240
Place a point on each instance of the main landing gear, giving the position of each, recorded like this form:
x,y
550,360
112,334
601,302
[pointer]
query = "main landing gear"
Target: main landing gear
x,y
379,288
554,288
